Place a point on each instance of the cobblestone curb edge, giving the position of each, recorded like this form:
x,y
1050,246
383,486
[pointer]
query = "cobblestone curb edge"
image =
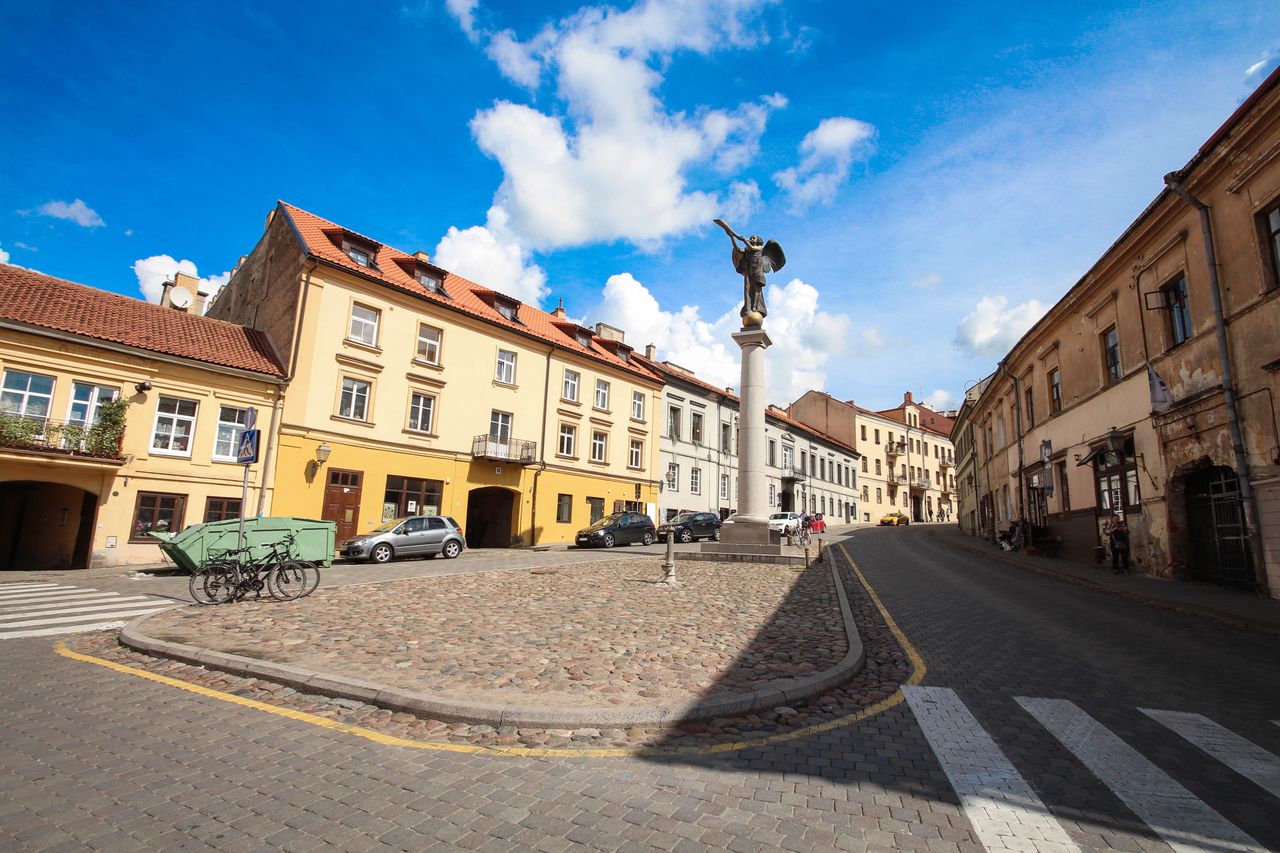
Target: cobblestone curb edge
x,y
510,714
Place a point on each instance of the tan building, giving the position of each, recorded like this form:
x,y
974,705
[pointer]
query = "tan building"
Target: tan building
x,y
964,435
1072,429
413,390
118,417
906,465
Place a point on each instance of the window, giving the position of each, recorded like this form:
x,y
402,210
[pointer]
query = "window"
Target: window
x,y
1270,222
877,467
86,402
602,394
773,453
157,512
673,477
1060,481
411,496
422,411
1055,391
428,343
356,254
597,509
877,436
726,438
506,369
509,310
788,454
773,494
230,425
866,495
364,325
695,481
879,496
1111,355
724,487
864,464
564,509
635,457
500,425
1029,399
599,446
695,427
429,280
863,429
1177,310
570,390
175,425
673,422
1116,479
354,402
637,405
26,395
221,509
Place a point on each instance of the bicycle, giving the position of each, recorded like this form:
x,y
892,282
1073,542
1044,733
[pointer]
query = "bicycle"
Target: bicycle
x,y
232,574
805,535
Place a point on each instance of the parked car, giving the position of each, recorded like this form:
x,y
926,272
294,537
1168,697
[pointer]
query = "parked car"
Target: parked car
x,y
785,522
621,528
897,519
817,523
689,526
412,536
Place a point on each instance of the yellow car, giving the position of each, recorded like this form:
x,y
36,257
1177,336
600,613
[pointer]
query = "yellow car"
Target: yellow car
x,y
897,519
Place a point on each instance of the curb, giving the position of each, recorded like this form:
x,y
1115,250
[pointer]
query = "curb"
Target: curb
x,y
508,714
1232,619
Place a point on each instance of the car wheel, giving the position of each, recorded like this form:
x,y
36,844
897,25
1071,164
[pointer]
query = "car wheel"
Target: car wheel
x,y
647,538
381,553
686,535
715,535
451,549
607,541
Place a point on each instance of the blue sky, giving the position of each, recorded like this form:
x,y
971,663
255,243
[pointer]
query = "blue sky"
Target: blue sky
x,y
937,173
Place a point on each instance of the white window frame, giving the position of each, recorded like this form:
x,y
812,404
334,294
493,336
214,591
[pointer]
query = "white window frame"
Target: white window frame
x,y
426,344
695,481
568,444
174,418
501,425
636,454
673,477
416,412
572,380
365,323
231,429
773,494
509,364
674,416
27,396
602,395
637,405
696,421
352,395
93,405
724,487
599,446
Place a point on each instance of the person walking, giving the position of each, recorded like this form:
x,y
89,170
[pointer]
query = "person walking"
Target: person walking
x,y
1119,541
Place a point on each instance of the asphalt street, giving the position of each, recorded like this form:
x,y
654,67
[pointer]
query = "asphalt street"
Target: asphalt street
x,y
1049,717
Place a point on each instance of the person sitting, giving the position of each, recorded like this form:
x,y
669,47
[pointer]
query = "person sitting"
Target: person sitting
x,y
1011,539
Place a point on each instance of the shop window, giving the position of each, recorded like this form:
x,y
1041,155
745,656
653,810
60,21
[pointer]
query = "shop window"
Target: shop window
x,y
564,509
411,496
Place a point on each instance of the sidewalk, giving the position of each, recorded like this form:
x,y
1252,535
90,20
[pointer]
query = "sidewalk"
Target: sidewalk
x,y
1237,608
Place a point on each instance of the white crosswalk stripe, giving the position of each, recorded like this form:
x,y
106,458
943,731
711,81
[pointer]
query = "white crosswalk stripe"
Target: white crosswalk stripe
x,y
1006,814
42,610
1182,819
1251,761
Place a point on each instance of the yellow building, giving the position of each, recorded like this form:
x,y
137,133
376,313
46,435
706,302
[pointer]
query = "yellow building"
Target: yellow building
x,y
118,417
414,390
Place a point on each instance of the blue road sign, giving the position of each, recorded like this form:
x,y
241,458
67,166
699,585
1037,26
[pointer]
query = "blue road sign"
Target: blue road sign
x,y
247,452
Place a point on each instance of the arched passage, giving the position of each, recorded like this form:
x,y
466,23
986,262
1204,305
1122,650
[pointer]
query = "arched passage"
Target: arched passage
x,y
490,517
45,525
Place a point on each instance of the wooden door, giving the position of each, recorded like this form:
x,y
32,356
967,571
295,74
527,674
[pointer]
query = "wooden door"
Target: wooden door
x,y
342,502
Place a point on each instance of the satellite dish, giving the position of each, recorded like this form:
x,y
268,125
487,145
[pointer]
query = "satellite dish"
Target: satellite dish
x,y
180,298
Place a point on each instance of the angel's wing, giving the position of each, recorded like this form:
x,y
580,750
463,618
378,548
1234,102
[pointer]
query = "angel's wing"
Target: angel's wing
x,y
772,251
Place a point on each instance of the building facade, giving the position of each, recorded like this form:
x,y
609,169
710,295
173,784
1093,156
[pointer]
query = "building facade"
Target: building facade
x,y
1149,392
413,390
117,418
964,438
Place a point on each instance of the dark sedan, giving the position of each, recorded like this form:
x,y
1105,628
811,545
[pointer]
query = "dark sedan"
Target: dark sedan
x,y
689,526
621,528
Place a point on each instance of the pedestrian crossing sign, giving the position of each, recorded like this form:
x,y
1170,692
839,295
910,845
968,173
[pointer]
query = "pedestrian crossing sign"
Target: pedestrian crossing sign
x,y
247,452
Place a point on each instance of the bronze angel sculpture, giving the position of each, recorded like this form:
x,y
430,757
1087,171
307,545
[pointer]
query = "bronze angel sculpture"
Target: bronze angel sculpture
x,y
753,261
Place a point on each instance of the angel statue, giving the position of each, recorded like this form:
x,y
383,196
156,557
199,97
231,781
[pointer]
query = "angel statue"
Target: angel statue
x,y
754,260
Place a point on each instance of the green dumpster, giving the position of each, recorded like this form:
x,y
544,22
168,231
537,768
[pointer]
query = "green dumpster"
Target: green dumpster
x,y
314,540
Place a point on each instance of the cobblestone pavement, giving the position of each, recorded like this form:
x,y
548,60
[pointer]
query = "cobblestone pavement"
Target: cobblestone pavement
x,y
601,634
101,759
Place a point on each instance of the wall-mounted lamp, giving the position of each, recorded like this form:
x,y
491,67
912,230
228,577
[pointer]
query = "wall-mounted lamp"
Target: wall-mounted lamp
x,y
322,454
142,386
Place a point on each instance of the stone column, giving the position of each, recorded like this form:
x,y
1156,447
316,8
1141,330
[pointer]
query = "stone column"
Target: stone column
x,y
753,491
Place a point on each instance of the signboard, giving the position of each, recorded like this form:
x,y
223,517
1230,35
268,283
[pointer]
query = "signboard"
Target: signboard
x,y
250,418
247,452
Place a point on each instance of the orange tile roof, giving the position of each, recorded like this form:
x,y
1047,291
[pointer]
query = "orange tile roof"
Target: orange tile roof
x,y
463,295
40,300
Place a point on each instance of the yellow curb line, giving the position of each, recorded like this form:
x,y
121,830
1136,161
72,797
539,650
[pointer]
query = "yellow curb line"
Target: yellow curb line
x,y
917,675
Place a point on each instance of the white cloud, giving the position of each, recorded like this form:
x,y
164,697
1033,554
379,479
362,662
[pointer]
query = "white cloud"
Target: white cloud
x,y
828,152
1263,65
464,12
941,400
992,329
76,211
805,337
4,256
928,282
154,271
872,338
22,245
489,255
615,164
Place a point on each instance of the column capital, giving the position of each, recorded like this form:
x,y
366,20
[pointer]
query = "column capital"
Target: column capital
x,y
752,338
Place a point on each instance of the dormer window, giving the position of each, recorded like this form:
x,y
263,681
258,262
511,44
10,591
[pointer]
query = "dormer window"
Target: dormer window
x,y
507,308
584,338
359,254
430,281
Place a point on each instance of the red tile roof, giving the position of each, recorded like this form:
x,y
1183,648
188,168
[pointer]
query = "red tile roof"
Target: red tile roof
x,y
462,295
36,299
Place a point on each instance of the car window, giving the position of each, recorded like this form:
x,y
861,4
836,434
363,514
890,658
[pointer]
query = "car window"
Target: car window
x,y
450,522
435,524
413,525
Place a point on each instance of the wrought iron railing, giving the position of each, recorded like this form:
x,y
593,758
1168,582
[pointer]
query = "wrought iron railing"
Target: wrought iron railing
x,y
895,448
504,449
75,438
793,471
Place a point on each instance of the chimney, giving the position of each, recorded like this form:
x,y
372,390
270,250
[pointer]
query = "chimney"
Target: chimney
x,y
906,398
610,333
651,352
191,284
560,313
422,256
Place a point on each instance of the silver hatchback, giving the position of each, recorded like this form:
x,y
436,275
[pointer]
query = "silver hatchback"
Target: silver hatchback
x,y
413,536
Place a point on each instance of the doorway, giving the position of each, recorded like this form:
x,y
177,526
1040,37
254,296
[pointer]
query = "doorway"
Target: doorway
x,y
489,517
1219,540
46,526
342,502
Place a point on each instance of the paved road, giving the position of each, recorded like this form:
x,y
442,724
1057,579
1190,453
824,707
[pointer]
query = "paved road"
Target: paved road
x,y
1051,717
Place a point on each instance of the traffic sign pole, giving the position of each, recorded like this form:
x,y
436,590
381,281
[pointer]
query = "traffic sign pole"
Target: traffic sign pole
x,y
247,454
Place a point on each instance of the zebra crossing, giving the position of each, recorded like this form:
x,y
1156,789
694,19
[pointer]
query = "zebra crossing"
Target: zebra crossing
x,y
1007,814
49,609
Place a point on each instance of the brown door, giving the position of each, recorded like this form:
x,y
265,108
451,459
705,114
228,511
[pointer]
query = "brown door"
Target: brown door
x,y
342,502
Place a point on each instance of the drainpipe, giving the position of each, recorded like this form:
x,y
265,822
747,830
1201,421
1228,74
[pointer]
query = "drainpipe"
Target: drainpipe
x,y
542,449
1228,385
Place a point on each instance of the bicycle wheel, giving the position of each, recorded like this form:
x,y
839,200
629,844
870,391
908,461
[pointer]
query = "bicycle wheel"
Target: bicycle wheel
x,y
312,575
288,581
214,583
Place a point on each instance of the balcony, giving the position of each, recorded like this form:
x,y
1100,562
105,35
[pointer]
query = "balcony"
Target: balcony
x,y
895,479
792,471
894,449
946,462
920,484
68,438
499,449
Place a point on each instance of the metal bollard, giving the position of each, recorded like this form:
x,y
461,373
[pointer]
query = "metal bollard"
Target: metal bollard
x,y
820,557
806,556
669,561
